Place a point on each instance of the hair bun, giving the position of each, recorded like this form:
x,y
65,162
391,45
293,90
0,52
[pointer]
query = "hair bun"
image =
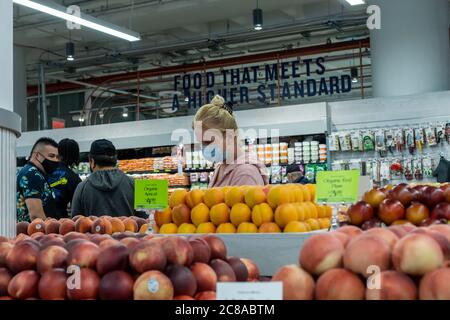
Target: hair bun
x,y
218,101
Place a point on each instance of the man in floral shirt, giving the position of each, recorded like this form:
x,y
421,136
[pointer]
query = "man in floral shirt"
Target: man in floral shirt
x,y
35,198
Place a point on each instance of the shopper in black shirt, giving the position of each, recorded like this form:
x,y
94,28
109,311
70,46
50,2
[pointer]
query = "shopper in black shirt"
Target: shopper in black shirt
x,y
64,180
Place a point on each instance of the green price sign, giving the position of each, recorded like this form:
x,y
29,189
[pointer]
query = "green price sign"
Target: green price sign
x,y
337,186
151,194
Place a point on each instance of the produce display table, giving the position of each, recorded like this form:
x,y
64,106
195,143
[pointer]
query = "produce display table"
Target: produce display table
x,y
269,251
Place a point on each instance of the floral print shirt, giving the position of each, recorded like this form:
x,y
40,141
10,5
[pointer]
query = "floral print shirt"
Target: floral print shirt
x,y
31,183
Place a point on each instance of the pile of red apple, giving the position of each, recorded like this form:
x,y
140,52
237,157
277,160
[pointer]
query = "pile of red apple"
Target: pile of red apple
x,y
80,266
421,205
402,262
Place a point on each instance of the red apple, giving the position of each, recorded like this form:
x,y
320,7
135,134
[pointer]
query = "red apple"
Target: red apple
x,y
441,211
401,193
433,196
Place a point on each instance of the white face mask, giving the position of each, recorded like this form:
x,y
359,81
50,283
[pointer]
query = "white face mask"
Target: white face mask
x,y
213,153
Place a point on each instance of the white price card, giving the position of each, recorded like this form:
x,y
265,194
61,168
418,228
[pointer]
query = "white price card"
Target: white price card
x,y
249,291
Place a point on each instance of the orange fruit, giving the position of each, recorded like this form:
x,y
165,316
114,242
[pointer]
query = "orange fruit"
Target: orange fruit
x,y
186,228
324,223
247,227
226,228
285,213
213,196
168,228
296,226
262,213
200,214
234,195
177,197
194,197
269,227
163,217
206,227
240,213
254,196
219,213
313,210
313,223
300,211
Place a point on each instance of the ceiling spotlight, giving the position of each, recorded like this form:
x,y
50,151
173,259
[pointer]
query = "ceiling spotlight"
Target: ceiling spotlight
x,y
186,99
354,74
355,2
70,51
257,19
125,113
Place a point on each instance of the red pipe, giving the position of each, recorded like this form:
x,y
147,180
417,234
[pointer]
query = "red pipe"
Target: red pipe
x,y
338,46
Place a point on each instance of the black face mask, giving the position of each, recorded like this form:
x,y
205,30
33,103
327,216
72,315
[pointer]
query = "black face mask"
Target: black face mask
x,y
49,166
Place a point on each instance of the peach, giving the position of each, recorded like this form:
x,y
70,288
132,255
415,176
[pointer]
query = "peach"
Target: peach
x,y
37,236
320,253
254,196
339,284
116,285
53,285
239,268
117,225
206,277
50,258
386,234
181,214
223,271
66,227
417,254
252,268
37,225
269,227
153,285
5,278
178,251
140,221
52,227
89,286
342,237
5,247
83,225
205,295
74,235
130,242
22,227
393,286
23,256
351,231
107,243
147,255
201,249
435,285
443,242
213,196
397,230
24,285
297,283
101,226
75,218
365,251
235,195
112,258
183,280
177,197
98,238
441,228
239,213
217,246
163,217
194,198
130,225
83,254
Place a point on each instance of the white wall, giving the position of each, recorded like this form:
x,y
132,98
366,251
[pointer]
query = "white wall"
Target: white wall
x,y
6,55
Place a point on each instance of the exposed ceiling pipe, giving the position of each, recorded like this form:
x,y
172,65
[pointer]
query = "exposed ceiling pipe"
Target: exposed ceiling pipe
x,y
339,46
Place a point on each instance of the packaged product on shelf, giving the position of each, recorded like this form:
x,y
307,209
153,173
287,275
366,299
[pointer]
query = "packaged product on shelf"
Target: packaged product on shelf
x,y
194,177
385,172
427,164
310,172
419,137
354,164
276,174
368,140
356,140
390,140
410,140
380,144
399,139
375,172
202,161
345,141
430,135
188,156
283,149
440,132
284,178
334,141
408,170
291,155
204,177
417,167
396,168
196,159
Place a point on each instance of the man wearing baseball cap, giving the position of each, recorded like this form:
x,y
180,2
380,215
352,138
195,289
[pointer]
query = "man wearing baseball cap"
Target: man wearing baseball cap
x,y
107,191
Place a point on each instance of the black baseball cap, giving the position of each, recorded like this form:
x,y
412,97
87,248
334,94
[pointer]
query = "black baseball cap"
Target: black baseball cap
x,y
102,147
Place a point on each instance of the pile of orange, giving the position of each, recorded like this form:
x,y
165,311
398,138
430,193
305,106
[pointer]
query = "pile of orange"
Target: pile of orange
x,y
244,209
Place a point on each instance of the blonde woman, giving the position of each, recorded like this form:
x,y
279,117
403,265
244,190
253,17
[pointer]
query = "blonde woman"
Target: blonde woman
x,y
216,127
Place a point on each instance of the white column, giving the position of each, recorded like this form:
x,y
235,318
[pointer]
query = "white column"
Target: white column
x,y
410,53
9,124
20,85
